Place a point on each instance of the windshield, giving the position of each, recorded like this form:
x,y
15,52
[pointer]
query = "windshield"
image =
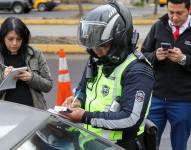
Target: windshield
x,y
56,135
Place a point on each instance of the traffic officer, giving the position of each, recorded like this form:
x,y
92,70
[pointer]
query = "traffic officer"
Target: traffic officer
x,y
117,82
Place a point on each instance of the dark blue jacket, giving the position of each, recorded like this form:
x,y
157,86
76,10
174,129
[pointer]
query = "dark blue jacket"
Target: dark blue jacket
x,y
138,76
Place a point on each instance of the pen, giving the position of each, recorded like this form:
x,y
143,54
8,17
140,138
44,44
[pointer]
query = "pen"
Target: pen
x,y
77,94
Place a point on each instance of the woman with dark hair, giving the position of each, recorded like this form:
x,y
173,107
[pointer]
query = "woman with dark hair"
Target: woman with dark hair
x,y
15,52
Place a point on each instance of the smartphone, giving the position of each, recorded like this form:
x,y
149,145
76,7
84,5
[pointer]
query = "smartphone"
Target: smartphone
x,y
166,46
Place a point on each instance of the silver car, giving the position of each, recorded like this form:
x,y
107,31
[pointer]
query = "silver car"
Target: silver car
x,y
17,6
27,128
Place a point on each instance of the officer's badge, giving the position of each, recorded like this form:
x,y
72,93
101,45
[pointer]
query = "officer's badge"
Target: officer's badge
x,y
140,96
105,90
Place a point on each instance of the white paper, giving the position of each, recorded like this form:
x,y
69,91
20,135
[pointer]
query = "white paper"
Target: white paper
x,y
60,108
9,82
52,111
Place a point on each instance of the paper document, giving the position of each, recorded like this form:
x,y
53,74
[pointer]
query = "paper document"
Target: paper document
x,y
9,82
62,109
58,109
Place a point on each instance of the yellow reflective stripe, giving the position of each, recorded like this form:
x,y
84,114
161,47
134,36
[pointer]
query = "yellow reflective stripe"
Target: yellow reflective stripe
x,y
148,107
84,138
141,130
142,127
115,135
72,129
117,74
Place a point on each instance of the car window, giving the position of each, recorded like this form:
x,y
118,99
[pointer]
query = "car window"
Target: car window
x,y
57,135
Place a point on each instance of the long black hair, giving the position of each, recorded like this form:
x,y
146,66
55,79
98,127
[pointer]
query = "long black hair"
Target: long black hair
x,y
14,24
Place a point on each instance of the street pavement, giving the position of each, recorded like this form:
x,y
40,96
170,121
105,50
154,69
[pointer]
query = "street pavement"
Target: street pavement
x,y
62,23
141,15
59,14
66,31
71,30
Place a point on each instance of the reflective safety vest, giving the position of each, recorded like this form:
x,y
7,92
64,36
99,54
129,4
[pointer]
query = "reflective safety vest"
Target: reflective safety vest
x,y
102,93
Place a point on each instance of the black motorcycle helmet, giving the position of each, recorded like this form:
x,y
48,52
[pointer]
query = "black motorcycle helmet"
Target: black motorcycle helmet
x,y
108,23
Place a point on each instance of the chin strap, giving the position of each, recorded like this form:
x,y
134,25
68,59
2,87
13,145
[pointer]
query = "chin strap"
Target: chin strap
x,y
134,39
91,69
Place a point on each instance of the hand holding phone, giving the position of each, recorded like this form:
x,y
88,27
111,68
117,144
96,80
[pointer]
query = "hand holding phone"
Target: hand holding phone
x,y
166,46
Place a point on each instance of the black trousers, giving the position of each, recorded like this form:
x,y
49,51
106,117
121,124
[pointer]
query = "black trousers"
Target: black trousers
x,y
134,144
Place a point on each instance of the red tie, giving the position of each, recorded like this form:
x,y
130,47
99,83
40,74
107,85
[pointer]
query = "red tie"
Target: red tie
x,y
176,33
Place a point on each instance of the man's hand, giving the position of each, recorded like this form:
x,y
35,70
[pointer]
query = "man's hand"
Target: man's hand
x,y
161,54
175,54
75,116
68,102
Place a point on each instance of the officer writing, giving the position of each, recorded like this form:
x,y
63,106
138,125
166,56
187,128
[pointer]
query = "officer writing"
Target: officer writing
x,y
117,82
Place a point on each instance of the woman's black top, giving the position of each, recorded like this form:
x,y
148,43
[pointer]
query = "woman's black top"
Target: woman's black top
x,y
21,94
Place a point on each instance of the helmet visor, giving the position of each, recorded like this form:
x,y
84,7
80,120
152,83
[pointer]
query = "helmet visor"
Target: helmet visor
x,y
90,33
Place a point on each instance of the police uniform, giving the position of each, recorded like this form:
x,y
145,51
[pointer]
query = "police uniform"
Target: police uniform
x,y
116,87
117,105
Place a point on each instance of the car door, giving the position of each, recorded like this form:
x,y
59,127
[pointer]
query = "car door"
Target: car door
x,y
5,4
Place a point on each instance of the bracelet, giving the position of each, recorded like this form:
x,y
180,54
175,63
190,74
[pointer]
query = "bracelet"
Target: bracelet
x,y
183,61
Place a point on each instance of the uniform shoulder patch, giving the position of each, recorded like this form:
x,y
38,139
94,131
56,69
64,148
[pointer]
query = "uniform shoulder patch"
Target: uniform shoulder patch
x,y
140,96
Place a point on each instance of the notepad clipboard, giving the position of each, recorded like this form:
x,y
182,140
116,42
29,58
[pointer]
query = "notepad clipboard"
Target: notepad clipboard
x,y
9,82
60,111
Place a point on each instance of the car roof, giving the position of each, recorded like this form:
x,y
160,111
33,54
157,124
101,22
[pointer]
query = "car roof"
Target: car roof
x,y
17,121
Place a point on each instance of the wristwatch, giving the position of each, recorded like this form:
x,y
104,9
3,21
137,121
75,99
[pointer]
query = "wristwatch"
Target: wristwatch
x,y
183,61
